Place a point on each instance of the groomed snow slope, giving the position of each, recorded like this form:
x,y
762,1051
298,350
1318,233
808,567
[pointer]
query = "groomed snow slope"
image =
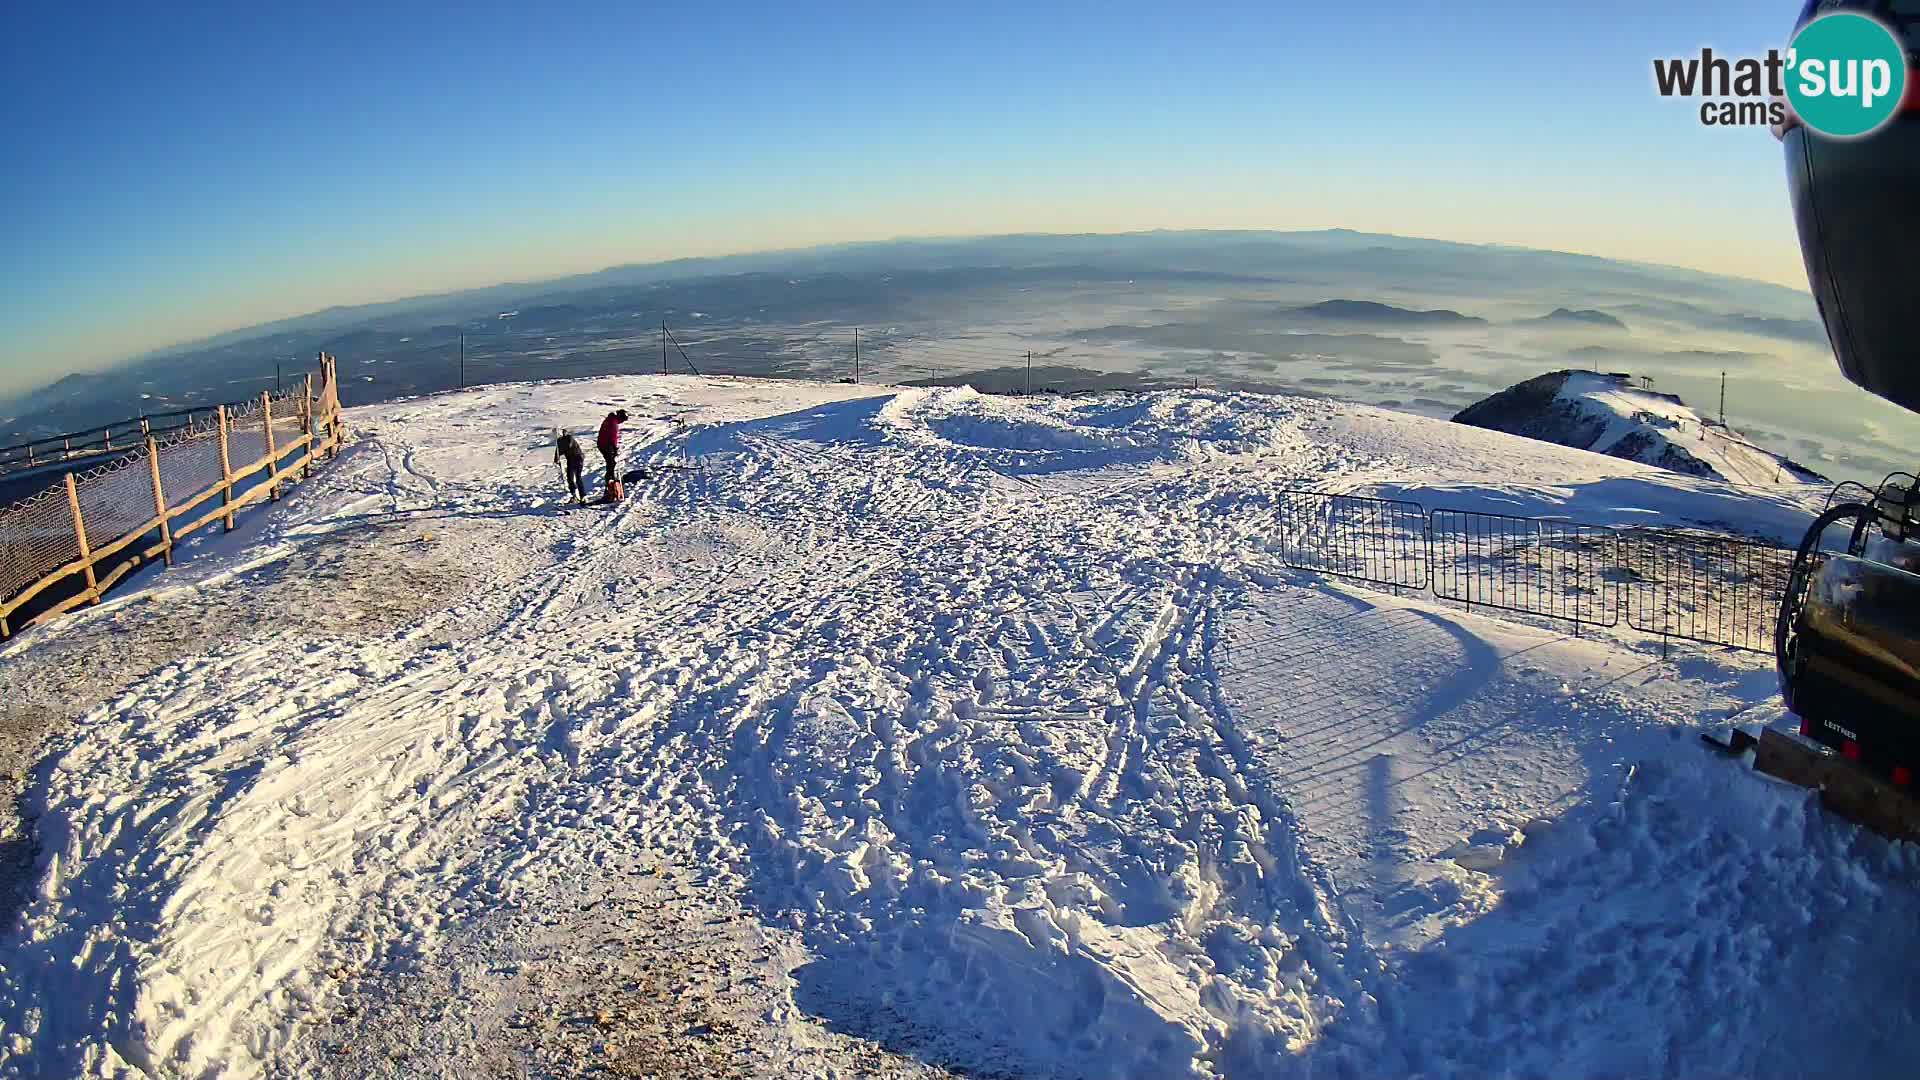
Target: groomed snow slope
x,y
1001,723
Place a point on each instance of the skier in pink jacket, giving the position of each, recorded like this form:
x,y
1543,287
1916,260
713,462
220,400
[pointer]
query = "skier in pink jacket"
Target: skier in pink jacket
x,y
609,443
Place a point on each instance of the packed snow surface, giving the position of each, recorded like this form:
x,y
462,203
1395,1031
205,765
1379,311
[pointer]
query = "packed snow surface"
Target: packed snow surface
x,y
996,734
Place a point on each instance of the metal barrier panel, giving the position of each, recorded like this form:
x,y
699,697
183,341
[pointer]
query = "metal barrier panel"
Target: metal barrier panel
x,y
1555,569
1711,589
1382,541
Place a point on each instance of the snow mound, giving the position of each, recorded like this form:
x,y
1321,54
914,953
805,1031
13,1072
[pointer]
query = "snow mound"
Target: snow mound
x,y
1026,436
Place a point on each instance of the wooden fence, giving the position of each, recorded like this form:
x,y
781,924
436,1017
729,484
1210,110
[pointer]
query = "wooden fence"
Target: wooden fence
x,y
90,523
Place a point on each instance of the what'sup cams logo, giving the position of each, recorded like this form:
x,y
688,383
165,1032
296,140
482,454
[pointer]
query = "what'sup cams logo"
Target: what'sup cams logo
x,y
1843,76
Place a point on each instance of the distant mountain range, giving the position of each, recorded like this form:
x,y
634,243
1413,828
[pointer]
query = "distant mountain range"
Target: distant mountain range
x,y
1426,325
1245,256
1373,313
1584,318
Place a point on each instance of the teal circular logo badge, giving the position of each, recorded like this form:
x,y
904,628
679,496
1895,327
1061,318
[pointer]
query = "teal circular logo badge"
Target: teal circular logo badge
x,y
1846,73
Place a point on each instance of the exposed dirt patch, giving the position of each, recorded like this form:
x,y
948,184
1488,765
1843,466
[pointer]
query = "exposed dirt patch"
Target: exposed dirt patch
x,y
651,971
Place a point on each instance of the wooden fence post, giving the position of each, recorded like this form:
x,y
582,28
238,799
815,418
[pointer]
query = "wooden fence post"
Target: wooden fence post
x,y
226,469
308,424
160,501
80,534
273,452
321,419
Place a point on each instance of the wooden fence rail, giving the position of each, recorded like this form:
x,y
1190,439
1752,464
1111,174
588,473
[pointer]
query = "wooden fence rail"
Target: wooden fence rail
x,y
317,403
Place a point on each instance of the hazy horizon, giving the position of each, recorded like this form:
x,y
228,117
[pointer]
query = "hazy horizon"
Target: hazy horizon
x,y
1232,310
12,389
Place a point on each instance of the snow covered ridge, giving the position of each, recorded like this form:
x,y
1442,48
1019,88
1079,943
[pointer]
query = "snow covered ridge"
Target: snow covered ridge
x,y
1607,414
1000,724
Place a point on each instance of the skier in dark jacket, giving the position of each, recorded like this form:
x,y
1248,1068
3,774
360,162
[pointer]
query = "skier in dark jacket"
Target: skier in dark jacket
x,y
609,443
567,450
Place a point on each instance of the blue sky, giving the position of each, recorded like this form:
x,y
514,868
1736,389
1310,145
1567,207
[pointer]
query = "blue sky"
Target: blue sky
x,y
178,171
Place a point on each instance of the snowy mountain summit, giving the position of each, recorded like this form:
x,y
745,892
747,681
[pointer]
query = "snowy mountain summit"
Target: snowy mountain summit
x,y
1608,414
916,732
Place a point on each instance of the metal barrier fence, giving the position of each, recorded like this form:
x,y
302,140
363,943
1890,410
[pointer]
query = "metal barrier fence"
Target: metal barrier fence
x,y
1688,586
1719,590
1554,569
1377,540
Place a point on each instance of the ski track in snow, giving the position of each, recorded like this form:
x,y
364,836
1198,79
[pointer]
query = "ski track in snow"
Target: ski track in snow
x,y
1003,714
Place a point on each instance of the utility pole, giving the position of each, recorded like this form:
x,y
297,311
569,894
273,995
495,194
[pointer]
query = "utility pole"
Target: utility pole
x,y
463,359
1029,372
1723,399
663,346
856,354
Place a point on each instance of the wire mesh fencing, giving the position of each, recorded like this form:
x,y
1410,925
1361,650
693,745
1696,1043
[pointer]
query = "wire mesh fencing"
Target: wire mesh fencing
x,y
36,536
93,521
116,499
190,466
246,433
286,429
